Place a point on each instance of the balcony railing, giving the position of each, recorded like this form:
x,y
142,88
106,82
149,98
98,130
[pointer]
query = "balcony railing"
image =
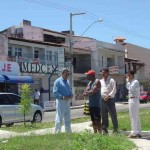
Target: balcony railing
x,y
30,59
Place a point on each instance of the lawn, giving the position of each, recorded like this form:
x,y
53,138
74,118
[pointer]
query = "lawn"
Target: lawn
x,y
62,141
123,119
75,141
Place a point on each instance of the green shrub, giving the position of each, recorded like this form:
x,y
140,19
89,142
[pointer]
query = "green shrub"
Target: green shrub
x,y
25,100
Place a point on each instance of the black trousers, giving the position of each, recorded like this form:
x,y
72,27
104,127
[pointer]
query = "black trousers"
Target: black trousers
x,y
109,107
95,114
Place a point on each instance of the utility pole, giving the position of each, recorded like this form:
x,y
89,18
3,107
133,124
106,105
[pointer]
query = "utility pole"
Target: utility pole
x,y
71,46
71,49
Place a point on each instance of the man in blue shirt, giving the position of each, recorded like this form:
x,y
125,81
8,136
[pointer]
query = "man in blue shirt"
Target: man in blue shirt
x,y
63,93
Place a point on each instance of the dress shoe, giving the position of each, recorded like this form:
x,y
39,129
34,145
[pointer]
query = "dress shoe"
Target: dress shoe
x,y
104,131
138,136
115,132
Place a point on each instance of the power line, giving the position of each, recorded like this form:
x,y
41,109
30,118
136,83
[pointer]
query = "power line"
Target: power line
x,y
53,5
90,16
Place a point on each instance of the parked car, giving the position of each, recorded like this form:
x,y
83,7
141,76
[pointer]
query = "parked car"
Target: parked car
x,y
9,110
144,97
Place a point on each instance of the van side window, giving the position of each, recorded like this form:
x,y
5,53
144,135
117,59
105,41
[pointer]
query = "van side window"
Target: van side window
x,y
2,99
7,100
14,99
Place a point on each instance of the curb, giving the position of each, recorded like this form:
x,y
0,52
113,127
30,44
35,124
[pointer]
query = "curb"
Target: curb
x,y
143,133
77,107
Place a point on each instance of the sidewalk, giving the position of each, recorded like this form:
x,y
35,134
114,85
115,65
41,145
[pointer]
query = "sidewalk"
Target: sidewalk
x,y
142,144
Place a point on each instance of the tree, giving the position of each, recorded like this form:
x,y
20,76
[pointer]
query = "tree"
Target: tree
x,y
26,100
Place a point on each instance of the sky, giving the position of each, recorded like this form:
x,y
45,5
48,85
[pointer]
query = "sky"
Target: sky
x,y
127,18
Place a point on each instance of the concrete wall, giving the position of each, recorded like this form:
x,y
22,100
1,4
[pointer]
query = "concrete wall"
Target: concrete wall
x,y
32,33
3,47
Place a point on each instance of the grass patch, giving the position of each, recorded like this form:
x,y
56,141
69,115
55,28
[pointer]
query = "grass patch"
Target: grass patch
x,y
19,127
125,124
80,120
74,141
123,120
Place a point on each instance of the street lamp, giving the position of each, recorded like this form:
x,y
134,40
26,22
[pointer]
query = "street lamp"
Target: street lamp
x,y
100,20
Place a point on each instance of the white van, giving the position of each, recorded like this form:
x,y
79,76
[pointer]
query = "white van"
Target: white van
x,y
9,110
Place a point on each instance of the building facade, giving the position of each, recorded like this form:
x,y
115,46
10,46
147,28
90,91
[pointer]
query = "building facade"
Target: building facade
x,y
106,55
137,59
39,52
42,53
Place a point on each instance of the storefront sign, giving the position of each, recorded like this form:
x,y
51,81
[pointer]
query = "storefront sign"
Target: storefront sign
x,y
114,70
35,68
49,105
9,68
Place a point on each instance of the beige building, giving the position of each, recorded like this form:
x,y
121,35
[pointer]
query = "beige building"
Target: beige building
x,y
138,59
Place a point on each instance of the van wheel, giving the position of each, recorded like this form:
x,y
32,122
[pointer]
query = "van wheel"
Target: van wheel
x,y
9,124
37,118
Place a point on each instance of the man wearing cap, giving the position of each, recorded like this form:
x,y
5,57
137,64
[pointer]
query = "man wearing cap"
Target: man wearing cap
x,y
93,92
63,93
108,91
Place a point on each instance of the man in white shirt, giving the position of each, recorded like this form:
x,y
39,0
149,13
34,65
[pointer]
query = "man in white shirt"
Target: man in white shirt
x,y
133,87
108,91
36,97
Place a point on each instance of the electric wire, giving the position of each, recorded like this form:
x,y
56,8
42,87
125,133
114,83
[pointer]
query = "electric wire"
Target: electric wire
x,y
90,16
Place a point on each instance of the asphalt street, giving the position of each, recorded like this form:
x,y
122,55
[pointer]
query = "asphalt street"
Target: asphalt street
x,y
78,112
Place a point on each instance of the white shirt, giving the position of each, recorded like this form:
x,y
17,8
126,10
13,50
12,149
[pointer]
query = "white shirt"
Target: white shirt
x,y
36,95
133,87
108,87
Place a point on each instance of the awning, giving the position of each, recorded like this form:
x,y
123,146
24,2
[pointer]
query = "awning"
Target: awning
x,y
2,79
18,79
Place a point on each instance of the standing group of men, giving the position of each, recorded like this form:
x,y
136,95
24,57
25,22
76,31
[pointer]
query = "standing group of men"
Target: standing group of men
x,y
101,94
106,89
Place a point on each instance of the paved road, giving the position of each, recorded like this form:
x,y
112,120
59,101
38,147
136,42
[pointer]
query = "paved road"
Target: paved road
x,y
78,113
75,113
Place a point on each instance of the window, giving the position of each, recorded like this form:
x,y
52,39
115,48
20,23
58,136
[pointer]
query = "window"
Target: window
x,y
49,56
18,52
2,99
129,67
55,57
10,53
110,62
36,54
53,39
134,67
14,99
